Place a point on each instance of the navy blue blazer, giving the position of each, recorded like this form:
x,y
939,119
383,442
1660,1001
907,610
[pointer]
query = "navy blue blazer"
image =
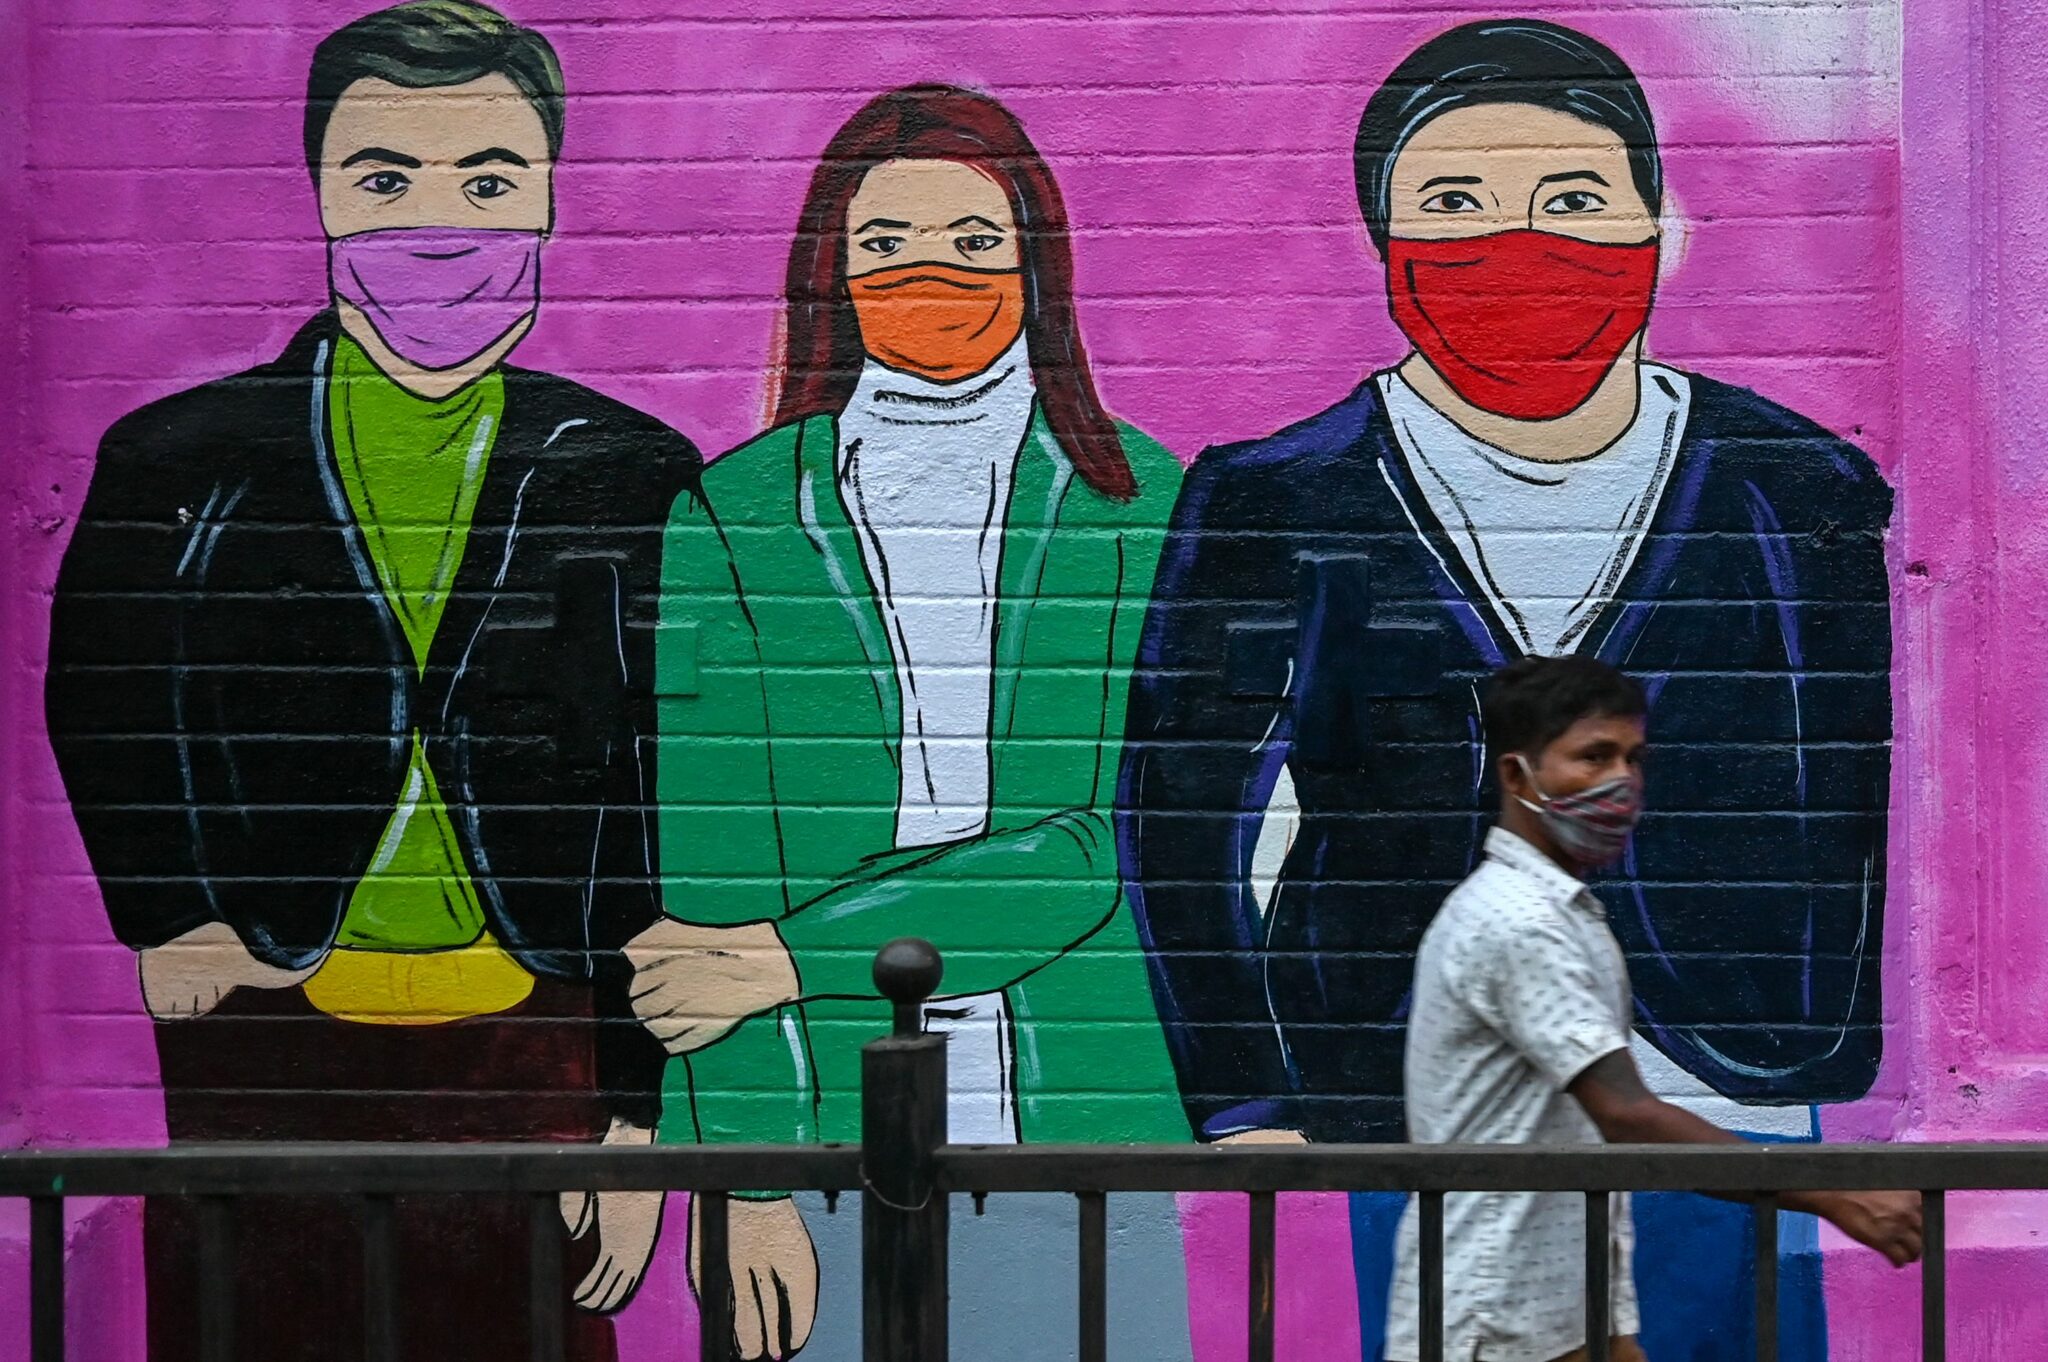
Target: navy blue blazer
x,y
1310,612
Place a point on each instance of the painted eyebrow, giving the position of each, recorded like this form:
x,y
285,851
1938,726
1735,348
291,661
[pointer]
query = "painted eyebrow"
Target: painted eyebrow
x,y
490,154
384,156
1435,180
883,222
970,220
1564,176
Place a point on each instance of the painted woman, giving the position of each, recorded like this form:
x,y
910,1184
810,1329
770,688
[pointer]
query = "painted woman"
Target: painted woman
x,y
896,632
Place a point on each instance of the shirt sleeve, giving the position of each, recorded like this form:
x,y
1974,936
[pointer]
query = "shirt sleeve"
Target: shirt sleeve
x,y
1539,986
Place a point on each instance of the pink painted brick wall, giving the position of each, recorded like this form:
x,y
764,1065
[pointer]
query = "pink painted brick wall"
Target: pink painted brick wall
x,y
1851,187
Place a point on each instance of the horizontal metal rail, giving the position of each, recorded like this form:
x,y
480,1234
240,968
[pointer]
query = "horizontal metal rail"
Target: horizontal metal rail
x,y
390,1169
1745,1169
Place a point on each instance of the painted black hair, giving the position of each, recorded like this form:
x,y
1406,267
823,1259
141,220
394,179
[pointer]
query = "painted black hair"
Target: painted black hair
x,y
426,44
1531,702
1502,61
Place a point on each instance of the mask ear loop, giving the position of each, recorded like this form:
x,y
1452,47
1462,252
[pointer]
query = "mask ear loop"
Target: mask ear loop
x,y
1534,784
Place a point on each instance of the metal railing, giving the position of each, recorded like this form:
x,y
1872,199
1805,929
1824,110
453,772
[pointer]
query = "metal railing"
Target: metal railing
x,y
909,1176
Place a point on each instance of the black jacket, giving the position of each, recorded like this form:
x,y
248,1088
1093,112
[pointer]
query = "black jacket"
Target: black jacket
x,y
232,700
1309,612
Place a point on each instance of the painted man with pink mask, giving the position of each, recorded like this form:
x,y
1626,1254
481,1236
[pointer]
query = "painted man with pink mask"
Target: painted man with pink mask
x,y
350,680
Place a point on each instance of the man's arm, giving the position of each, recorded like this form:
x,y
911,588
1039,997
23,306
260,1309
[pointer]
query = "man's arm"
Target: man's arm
x,y
1611,1091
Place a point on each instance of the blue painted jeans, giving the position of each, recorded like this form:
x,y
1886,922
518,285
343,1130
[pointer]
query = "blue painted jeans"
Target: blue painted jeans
x,y
1695,1271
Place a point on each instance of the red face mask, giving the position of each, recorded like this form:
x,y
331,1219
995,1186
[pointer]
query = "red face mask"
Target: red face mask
x,y
1523,324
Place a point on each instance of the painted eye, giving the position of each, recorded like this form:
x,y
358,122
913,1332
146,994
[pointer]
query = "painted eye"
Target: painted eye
x,y
489,187
384,183
1574,201
882,245
1451,201
977,243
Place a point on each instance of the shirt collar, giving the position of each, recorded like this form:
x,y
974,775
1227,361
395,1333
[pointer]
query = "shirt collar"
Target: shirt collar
x,y
1563,889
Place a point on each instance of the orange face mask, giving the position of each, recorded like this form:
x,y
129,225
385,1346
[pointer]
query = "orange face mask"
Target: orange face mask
x,y
939,322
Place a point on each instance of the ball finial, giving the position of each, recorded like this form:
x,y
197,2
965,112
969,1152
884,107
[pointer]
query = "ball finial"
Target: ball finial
x,y
907,971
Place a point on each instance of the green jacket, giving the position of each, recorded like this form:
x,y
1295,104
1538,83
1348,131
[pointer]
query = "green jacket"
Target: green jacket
x,y
778,782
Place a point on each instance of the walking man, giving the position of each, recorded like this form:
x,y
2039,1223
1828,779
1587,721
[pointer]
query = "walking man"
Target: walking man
x,y
1519,1033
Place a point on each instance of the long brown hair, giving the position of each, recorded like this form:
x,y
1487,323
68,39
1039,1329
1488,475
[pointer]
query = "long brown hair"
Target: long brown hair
x,y
820,351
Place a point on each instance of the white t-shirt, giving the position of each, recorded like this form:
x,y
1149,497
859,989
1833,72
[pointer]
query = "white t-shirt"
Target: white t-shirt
x,y
1548,542
1519,986
925,470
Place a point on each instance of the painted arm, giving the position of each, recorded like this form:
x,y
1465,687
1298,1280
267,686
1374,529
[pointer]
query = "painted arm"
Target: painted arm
x,y
998,907
1199,767
1773,996
113,688
626,893
719,845
1002,906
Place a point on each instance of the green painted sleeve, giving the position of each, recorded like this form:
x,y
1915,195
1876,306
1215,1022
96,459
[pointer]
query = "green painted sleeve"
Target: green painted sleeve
x,y
720,859
997,907
1003,906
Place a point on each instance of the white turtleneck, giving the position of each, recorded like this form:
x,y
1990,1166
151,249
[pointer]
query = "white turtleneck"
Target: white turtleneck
x,y
925,471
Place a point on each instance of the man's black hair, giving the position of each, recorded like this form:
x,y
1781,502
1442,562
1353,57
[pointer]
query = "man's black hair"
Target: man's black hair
x,y
1531,702
1502,61
425,44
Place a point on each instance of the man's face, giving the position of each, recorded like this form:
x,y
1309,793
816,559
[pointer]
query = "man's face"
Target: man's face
x,y
470,155
1591,752
1501,167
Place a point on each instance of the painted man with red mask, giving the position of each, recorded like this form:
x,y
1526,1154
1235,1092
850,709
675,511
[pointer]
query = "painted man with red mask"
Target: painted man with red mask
x,y
1306,777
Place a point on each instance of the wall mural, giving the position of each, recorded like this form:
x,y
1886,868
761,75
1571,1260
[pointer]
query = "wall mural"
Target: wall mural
x,y
897,633
1526,480
351,683
464,758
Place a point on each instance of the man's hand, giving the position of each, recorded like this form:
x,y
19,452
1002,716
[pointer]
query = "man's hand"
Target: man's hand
x,y
1264,1137
1886,1221
627,1224
774,1276
1612,1092
189,975
693,984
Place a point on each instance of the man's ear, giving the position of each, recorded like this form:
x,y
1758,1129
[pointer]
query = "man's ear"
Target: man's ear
x,y
1514,777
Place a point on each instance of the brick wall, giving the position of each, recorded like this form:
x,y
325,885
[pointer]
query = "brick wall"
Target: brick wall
x,y
1840,238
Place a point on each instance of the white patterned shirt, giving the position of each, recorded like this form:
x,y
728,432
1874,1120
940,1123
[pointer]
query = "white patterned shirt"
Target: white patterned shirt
x,y
1519,986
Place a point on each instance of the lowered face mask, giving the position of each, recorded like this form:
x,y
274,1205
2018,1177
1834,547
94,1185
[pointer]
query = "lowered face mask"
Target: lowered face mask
x,y
1592,826
438,296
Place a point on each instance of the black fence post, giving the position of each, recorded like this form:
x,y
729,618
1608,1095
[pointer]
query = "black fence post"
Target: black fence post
x,y
903,1122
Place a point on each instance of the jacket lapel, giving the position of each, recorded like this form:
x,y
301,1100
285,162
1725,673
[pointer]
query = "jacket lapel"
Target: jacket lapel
x,y
506,496
1038,488
827,526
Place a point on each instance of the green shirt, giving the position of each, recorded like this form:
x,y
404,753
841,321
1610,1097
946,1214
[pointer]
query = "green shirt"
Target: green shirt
x,y
412,469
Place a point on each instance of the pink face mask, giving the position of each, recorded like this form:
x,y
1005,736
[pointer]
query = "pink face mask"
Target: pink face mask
x,y
1592,826
438,296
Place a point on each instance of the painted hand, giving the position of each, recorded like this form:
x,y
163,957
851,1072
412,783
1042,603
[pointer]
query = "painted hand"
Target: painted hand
x,y
627,1224
188,976
693,984
774,1276
1265,1137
